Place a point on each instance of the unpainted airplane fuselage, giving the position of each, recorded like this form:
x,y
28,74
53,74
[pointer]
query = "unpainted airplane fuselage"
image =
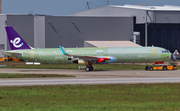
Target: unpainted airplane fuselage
x,y
116,54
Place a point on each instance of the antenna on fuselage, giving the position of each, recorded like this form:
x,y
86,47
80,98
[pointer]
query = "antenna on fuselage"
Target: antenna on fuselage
x,y
87,5
107,2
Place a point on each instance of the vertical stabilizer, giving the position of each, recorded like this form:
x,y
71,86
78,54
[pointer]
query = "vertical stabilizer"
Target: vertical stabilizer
x,y
15,40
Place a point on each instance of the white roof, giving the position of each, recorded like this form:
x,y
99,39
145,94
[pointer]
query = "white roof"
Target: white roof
x,y
113,44
158,8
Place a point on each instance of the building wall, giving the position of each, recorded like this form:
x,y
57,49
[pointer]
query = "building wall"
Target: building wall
x,y
39,31
73,31
61,31
70,31
167,17
161,35
164,35
153,16
141,29
118,12
24,25
3,36
0,6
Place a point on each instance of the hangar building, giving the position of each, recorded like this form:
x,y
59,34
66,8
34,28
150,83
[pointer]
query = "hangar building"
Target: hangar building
x,y
95,27
44,31
162,23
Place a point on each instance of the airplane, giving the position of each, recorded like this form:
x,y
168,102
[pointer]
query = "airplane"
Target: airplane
x,y
89,56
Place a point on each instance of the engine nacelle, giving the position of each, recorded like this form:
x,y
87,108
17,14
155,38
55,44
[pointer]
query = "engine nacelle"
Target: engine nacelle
x,y
102,60
106,60
79,61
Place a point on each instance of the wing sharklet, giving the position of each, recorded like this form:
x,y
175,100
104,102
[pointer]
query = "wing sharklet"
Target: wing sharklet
x,y
63,51
78,56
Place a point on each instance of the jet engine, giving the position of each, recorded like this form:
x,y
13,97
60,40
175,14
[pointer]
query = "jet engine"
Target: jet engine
x,y
102,60
106,60
79,61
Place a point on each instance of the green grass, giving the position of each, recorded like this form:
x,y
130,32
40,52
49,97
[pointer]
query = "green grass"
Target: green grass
x,y
74,66
8,75
132,97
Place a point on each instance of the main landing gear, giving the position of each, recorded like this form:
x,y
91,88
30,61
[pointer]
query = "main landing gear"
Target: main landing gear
x,y
89,67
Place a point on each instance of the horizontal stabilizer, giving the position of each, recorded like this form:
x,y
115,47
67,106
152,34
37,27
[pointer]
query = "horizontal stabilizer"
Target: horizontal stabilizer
x,y
13,54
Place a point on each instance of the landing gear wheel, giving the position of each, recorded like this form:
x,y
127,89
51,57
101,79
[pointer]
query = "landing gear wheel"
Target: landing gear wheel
x,y
164,68
87,69
91,68
146,68
150,68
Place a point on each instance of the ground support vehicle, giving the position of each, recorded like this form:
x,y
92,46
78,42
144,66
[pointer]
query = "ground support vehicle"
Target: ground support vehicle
x,y
170,66
8,58
4,59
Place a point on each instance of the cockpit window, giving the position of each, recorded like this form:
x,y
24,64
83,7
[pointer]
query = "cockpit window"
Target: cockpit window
x,y
165,51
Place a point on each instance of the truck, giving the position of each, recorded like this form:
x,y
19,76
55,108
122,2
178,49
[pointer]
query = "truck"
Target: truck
x,y
8,58
4,59
171,66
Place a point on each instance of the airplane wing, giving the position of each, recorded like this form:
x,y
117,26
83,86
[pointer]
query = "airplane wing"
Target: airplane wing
x,y
79,56
16,54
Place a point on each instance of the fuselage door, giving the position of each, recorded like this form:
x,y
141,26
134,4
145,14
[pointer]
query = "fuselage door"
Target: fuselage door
x,y
32,54
59,59
154,52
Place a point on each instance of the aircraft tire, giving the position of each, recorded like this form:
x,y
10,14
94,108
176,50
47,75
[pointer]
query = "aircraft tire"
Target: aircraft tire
x,y
150,68
87,69
91,68
164,68
146,68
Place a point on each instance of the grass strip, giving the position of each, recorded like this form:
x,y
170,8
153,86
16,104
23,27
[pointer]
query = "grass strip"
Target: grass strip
x,y
73,66
76,66
124,97
8,75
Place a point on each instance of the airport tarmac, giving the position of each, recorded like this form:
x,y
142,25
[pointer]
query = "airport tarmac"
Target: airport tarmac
x,y
97,73
93,77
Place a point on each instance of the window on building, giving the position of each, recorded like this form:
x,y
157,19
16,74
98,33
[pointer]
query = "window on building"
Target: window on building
x,y
1,46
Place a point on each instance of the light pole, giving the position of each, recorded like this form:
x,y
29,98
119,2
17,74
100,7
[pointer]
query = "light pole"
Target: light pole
x,y
146,28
